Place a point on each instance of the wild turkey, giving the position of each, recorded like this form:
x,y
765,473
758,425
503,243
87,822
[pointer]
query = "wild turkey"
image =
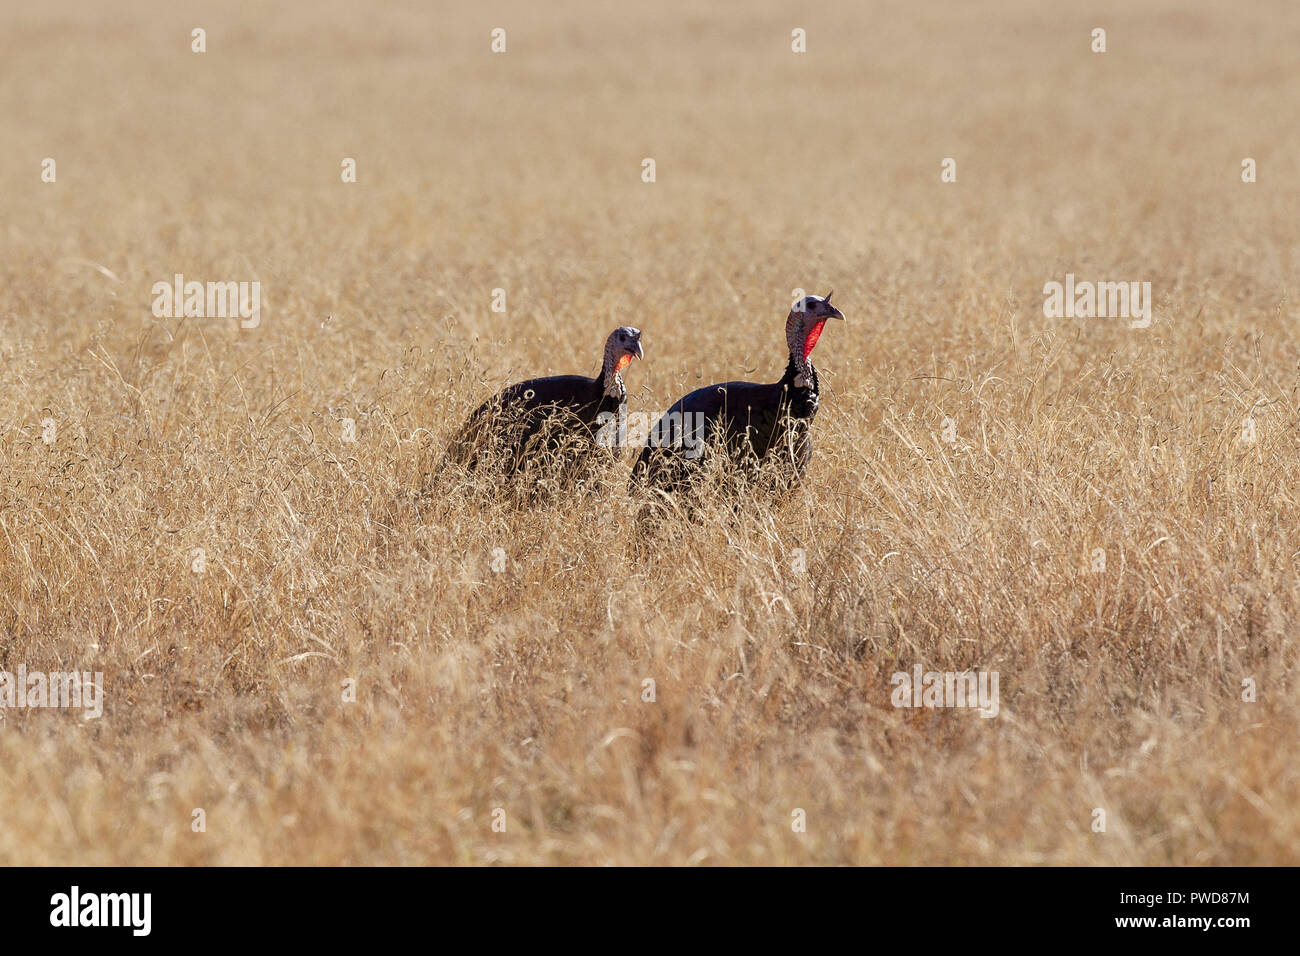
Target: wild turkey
x,y
752,423
548,427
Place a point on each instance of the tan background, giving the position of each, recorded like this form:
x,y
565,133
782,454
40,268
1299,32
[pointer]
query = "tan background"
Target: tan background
x,y
522,690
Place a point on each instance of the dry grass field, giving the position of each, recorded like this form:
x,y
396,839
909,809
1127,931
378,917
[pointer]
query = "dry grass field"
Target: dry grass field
x,y
512,679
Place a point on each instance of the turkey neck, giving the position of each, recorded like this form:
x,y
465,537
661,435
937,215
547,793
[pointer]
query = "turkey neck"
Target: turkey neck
x,y
801,398
611,381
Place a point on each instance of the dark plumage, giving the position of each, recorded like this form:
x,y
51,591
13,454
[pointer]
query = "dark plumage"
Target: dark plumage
x,y
547,426
752,423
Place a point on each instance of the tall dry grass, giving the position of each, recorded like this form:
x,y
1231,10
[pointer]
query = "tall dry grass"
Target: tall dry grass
x,y
522,689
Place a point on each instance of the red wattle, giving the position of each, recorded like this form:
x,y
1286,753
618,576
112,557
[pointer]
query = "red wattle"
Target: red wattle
x,y
813,335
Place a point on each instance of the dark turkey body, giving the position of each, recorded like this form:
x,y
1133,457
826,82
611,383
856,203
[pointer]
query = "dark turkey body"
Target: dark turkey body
x,y
752,423
545,425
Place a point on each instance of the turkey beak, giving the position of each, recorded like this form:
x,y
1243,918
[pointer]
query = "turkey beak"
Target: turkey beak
x,y
837,314
636,350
